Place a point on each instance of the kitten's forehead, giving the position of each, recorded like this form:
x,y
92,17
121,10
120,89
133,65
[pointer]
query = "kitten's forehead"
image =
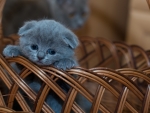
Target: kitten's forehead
x,y
51,27
48,32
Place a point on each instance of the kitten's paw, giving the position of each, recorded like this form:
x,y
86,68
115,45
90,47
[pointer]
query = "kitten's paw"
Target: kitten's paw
x,y
11,51
64,64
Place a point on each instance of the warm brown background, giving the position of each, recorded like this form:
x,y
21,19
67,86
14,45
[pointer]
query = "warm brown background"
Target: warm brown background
x,y
108,19
139,24
125,20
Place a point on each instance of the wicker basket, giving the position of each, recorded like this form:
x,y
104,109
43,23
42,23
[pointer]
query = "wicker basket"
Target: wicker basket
x,y
120,81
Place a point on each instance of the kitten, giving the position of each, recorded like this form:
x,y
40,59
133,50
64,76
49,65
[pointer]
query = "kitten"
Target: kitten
x,y
71,13
46,42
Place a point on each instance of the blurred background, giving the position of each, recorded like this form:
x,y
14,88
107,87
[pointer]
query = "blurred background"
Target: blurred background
x,y
123,20
107,19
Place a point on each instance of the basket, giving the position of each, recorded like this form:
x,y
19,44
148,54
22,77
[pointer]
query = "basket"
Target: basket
x,y
113,76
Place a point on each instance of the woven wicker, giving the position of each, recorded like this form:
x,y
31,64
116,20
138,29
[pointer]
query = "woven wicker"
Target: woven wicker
x,y
114,77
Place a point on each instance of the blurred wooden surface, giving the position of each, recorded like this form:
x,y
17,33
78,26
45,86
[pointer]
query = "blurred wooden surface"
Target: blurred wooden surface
x,y
138,31
148,1
107,19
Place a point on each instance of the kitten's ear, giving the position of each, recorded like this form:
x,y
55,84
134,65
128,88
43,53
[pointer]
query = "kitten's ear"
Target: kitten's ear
x,y
71,40
25,27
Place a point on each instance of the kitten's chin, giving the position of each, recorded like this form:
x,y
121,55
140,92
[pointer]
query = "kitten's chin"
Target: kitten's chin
x,y
41,63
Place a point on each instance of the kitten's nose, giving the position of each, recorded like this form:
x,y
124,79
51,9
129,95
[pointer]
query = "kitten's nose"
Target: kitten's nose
x,y
40,55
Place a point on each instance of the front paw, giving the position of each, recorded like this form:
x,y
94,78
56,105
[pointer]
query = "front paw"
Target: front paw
x,y
10,51
64,64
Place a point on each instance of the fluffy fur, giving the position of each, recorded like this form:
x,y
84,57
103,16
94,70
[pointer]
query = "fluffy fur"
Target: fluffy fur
x,y
71,13
46,42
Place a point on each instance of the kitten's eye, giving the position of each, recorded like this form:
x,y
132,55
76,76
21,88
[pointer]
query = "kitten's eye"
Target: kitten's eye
x,y
51,52
34,47
72,14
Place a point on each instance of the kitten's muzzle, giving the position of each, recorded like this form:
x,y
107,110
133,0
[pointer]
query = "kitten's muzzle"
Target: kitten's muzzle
x,y
40,55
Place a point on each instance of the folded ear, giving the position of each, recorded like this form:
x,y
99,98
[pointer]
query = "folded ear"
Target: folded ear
x,y
26,27
71,40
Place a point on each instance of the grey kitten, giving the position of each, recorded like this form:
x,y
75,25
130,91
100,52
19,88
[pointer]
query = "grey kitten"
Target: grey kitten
x,y
71,13
45,42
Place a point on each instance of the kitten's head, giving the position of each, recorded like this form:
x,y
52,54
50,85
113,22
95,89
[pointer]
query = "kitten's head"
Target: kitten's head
x,y
72,13
47,41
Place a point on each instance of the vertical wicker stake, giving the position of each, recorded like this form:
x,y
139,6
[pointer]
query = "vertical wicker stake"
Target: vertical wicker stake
x,y
3,41
2,2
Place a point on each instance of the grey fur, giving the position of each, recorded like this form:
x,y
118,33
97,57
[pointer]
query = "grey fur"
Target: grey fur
x,y
71,13
47,34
